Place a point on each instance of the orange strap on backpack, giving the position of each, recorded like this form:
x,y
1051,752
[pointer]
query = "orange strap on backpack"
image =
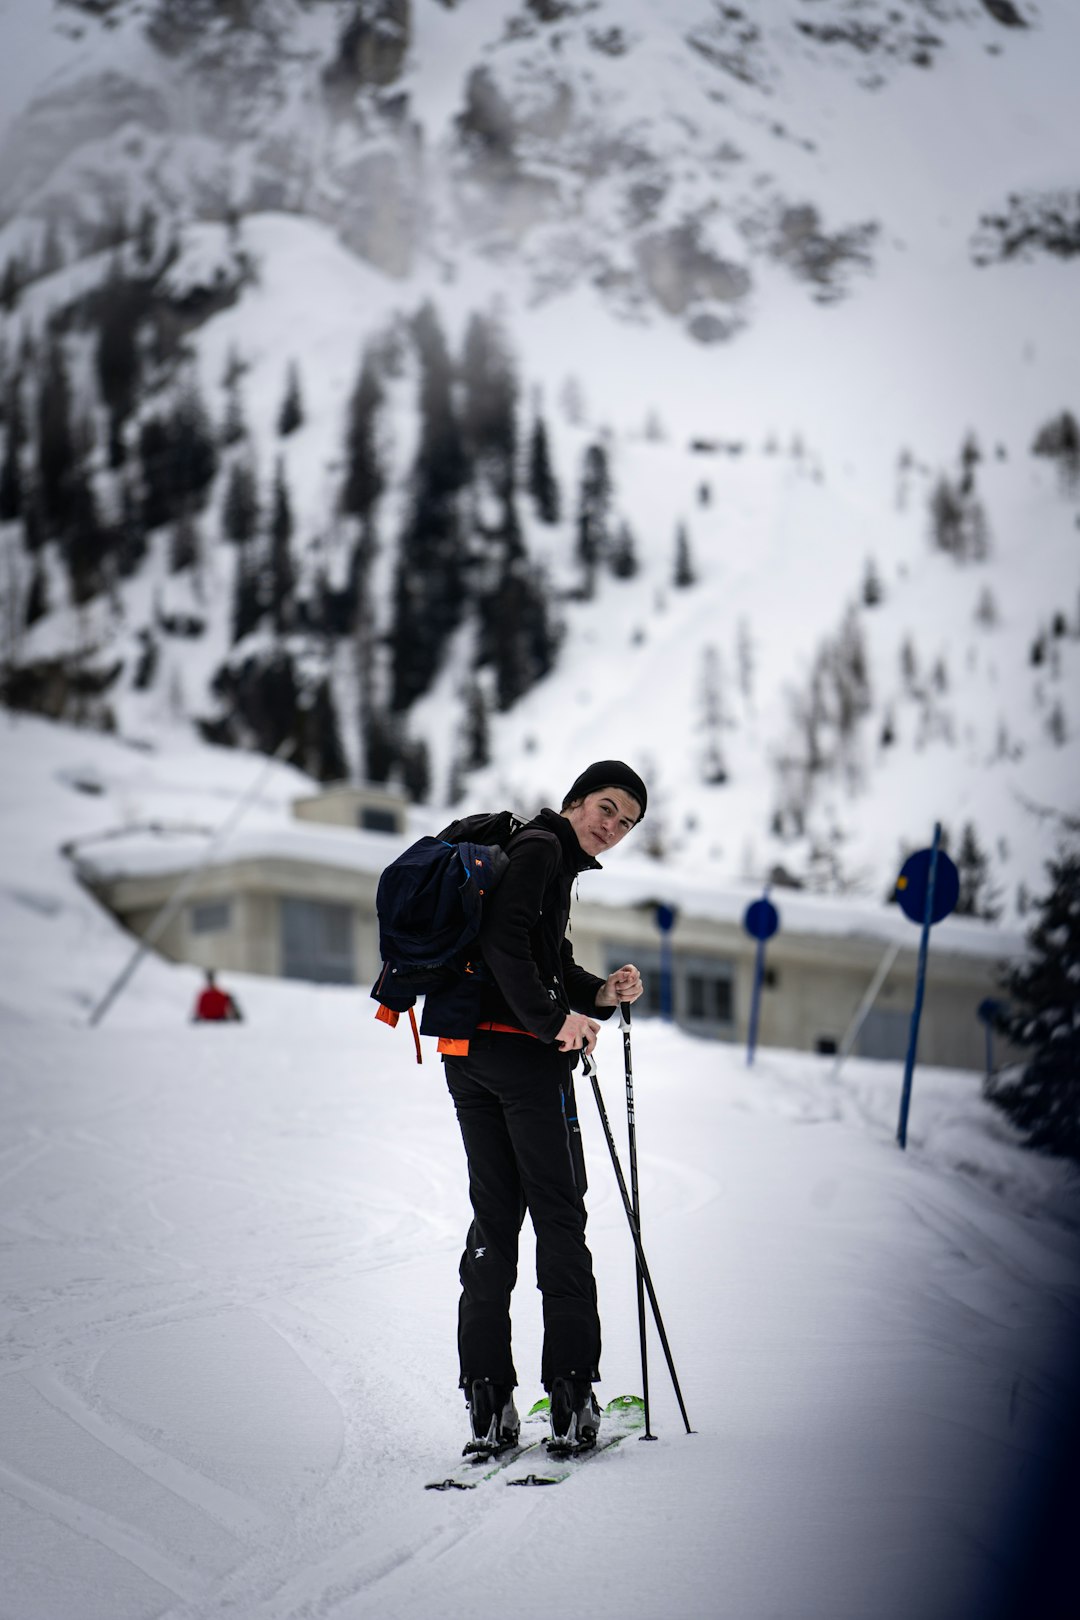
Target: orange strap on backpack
x,y
386,1015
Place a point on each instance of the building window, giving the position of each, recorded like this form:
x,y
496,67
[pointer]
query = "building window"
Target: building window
x,y
703,988
705,993
826,1045
317,941
376,818
210,916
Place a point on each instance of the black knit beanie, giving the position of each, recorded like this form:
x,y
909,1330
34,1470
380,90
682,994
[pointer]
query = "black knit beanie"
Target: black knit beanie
x,y
607,773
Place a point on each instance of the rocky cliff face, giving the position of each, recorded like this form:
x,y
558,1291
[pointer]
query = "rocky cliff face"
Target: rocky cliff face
x,y
636,147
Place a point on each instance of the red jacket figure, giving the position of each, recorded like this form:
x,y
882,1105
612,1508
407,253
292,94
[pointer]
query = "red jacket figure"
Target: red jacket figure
x,y
215,1006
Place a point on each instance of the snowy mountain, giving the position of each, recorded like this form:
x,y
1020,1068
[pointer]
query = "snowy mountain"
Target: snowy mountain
x,y
291,292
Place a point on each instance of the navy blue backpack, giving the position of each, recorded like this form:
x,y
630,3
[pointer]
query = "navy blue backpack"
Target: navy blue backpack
x,y
430,906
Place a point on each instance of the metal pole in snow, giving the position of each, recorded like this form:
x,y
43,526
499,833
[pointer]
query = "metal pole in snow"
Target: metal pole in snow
x,y
635,1200
589,1067
183,889
920,989
755,1005
864,1006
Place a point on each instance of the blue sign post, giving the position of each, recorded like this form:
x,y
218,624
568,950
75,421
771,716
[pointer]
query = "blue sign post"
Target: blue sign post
x,y
928,888
666,918
761,922
988,1010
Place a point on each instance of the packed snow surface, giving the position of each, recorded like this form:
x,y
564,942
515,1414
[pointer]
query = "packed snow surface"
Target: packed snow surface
x,y
228,1361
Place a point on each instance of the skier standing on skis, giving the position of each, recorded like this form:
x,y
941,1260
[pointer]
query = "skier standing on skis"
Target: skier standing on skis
x,y
514,1096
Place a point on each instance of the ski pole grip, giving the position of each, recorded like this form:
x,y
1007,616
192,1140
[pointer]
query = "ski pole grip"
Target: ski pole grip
x,y
624,1013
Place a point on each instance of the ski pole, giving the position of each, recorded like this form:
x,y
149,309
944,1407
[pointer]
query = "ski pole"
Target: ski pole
x,y
590,1069
631,1128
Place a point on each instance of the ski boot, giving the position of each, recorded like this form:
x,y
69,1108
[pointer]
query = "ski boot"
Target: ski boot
x,y
575,1416
494,1417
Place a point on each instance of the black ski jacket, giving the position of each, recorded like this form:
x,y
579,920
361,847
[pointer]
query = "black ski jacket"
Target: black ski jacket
x,y
536,981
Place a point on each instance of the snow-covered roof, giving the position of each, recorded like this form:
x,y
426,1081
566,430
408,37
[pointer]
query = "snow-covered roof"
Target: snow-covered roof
x,y
627,881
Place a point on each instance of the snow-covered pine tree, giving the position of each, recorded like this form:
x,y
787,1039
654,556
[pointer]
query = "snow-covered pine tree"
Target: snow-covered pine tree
x,y
323,754
475,728
684,573
594,504
429,595
55,440
281,581
11,476
489,405
1059,439
1042,1095
978,896
240,508
543,486
291,415
624,561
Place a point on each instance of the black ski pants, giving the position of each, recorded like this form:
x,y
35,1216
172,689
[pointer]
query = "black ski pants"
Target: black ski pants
x,y
515,1104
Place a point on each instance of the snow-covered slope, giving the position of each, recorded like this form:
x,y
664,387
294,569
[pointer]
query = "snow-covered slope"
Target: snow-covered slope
x,y
766,234
227,1359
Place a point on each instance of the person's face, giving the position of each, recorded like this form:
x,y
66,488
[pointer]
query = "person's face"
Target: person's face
x,y
602,819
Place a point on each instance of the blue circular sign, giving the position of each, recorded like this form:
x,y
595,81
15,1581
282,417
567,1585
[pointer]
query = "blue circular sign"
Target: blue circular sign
x,y
989,1008
914,880
761,920
665,918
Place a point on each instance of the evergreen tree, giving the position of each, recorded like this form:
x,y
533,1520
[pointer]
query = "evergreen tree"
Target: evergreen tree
x,y
683,573
542,483
129,541
324,755
240,510
714,769
146,236
37,597
11,483
429,594
85,540
233,427
11,283
475,729
194,449
179,460
623,562
977,898
364,477
1042,1096
11,471
380,744
518,638
415,763
594,505
116,356
291,415
247,609
872,590
184,546
56,458
282,578
489,408
1059,439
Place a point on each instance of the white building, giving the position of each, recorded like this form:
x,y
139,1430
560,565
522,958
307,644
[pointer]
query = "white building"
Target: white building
x,y
298,901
